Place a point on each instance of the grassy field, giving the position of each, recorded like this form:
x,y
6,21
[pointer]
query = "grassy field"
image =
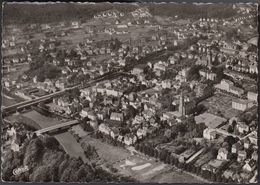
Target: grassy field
x,y
108,153
146,169
16,74
173,176
222,103
8,101
139,166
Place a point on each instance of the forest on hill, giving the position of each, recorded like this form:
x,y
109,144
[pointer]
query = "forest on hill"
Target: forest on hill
x,y
48,13
54,12
189,10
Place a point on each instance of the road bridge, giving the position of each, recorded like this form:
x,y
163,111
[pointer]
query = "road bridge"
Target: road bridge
x,y
57,127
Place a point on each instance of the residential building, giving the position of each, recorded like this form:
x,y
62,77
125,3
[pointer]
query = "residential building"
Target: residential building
x,y
137,70
236,147
242,127
130,139
247,143
117,116
250,166
224,85
252,96
209,134
241,104
241,155
201,89
103,128
236,90
208,74
222,154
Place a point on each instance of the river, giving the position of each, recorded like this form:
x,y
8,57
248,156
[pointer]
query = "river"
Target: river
x,y
69,143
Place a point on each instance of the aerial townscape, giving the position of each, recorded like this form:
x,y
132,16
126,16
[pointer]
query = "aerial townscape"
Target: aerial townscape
x,y
138,92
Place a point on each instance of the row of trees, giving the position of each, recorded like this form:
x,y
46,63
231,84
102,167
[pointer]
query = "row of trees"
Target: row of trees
x,y
167,157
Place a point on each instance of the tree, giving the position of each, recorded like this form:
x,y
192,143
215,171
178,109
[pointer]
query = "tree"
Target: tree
x,y
83,175
231,33
193,73
212,177
219,71
137,146
50,142
42,174
214,152
75,92
230,129
33,152
198,170
230,140
218,177
168,133
130,112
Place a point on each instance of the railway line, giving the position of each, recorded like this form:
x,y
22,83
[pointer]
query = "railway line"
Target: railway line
x,y
107,76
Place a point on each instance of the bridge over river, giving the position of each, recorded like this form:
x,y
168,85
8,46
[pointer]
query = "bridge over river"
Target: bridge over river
x,y
68,142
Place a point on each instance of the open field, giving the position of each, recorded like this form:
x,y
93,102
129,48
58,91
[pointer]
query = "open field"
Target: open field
x,y
138,166
222,103
146,169
19,71
173,176
108,153
6,101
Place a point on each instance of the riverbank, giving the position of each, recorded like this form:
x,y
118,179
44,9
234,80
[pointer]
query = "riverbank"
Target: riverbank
x,y
67,141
